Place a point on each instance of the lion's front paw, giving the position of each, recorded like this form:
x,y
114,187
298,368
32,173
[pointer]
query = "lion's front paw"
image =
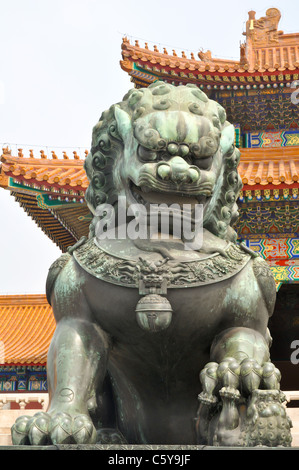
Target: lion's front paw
x,y
227,402
55,428
246,375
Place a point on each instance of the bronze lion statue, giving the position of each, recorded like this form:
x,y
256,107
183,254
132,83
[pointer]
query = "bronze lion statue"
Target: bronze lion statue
x,y
161,339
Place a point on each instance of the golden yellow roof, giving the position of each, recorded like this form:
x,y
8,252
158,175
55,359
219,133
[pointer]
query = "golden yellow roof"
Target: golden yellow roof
x,y
267,55
27,325
271,166
50,190
54,172
267,46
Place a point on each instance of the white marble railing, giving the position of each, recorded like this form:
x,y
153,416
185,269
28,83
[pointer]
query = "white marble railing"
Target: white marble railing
x,y
22,399
292,395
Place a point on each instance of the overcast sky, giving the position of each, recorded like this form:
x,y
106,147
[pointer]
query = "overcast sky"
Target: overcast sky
x,y
59,71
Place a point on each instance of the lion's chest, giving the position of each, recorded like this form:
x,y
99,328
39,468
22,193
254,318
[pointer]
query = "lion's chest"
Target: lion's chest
x,y
194,287
196,313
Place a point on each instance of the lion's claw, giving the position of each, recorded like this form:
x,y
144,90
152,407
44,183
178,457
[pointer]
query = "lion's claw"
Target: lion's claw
x,y
37,429
83,430
58,428
61,429
18,431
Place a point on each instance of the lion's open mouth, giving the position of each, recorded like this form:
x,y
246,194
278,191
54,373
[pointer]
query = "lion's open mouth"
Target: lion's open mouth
x,y
146,196
176,208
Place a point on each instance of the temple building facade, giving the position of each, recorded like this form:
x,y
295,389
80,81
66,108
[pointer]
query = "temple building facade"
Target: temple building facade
x,y
26,328
260,93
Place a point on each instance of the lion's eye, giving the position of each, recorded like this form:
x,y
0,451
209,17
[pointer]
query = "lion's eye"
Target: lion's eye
x,y
146,155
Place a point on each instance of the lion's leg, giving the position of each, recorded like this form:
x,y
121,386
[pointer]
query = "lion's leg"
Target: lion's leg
x,y
240,403
77,363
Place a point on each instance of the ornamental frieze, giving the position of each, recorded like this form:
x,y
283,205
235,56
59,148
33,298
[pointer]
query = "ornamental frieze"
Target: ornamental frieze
x,y
129,272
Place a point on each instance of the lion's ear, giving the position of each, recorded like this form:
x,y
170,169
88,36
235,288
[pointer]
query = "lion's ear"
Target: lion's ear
x,y
227,138
124,124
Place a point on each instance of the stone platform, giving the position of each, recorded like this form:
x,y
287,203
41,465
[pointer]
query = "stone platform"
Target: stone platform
x,y
136,448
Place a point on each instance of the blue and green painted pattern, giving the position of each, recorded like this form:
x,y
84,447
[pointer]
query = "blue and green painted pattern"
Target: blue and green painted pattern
x,y
275,248
23,378
282,255
268,139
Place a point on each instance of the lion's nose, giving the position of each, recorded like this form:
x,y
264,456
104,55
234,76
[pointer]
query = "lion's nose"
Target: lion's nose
x,y
178,171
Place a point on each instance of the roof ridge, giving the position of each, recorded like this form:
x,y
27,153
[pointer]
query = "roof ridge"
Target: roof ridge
x,y
22,299
7,152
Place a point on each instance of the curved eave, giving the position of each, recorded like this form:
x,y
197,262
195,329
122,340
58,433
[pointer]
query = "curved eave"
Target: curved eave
x,y
49,173
269,168
172,68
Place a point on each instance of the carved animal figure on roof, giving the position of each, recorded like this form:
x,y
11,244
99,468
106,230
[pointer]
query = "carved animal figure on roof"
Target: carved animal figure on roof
x,y
161,340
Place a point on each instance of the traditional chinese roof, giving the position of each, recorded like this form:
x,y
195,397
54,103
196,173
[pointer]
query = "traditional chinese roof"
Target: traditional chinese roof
x,y
53,174
267,57
26,327
269,167
51,191
268,202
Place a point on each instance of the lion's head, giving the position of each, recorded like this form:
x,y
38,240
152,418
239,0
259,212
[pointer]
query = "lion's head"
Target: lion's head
x,y
167,144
